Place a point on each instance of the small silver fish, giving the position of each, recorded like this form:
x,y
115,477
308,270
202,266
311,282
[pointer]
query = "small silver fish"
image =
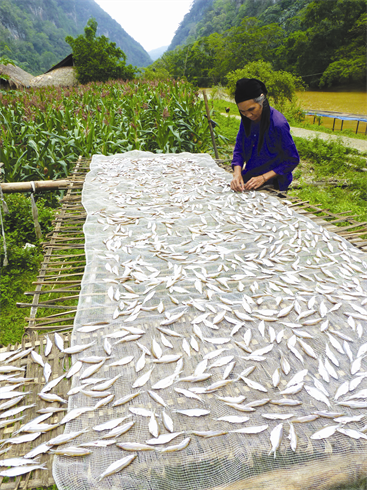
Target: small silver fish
x,y
134,446
176,447
250,430
325,432
21,470
143,379
71,451
117,466
276,438
163,439
118,431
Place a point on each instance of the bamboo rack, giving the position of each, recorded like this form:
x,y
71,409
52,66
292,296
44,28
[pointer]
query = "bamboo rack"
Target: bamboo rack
x,y
57,289
59,280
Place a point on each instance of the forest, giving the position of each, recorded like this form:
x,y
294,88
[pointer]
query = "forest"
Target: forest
x,y
32,32
323,41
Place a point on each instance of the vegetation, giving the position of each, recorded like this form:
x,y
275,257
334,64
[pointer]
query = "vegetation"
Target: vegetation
x,y
32,32
43,131
281,85
322,41
24,258
97,59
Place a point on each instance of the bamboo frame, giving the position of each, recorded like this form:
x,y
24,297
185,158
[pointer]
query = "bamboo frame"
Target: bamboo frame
x,y
295,478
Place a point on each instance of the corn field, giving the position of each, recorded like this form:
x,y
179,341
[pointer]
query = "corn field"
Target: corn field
x,y
45,130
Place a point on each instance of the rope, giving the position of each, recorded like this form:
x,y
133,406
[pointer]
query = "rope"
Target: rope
x,y
4,204
5,262
37,226
6,211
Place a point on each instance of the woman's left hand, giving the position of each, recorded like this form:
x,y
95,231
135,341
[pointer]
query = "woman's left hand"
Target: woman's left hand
x,y
254,183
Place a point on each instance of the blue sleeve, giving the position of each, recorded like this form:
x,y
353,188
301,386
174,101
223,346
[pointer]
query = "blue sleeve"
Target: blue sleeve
x,y
238,158
289,157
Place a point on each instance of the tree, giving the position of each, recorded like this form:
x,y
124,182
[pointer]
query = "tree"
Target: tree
x,y
281,85
96,58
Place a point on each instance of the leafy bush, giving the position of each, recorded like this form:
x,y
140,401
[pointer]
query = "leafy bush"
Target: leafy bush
x,y
19,224
19,230
281,86
97,59
23,263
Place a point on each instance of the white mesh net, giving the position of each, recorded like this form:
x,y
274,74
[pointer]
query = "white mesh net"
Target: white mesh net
x,y
265,311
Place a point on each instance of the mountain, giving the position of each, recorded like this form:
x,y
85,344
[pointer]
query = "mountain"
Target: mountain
x,y
217,16
187,27
32,32
157,53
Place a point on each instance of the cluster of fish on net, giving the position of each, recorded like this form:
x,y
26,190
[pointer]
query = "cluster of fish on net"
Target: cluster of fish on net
x,y
211,327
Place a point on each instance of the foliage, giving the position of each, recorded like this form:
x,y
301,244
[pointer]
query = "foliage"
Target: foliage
x,y
328,27
23,262
281,85
349,63
43,131
207,17
323,41
19,224
97,59
4,60
338,168
208,60
32,32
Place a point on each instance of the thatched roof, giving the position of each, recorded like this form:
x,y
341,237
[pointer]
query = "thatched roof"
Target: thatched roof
x,y
18,78
61,77
68,61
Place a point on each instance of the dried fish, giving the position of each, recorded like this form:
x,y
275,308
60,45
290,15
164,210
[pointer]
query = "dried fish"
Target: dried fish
x,y
117,466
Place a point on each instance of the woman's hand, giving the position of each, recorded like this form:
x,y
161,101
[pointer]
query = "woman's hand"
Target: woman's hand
x,y
255,183
237,181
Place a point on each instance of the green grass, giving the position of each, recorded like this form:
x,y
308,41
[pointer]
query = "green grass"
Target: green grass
x,y
12,321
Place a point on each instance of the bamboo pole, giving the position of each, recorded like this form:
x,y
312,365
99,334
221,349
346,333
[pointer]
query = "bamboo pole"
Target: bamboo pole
x,y
40,185
210,125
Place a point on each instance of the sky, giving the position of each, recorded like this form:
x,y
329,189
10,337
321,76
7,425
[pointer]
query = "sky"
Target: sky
x,y
152,23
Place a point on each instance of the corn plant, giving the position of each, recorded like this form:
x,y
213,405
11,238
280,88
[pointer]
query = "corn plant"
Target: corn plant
x,y
43,131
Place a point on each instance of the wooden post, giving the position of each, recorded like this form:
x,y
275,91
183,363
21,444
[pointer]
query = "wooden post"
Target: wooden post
x,y
40,185
210,125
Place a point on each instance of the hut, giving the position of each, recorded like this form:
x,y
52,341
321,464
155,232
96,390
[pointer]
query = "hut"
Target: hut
x,y
60,75
13,77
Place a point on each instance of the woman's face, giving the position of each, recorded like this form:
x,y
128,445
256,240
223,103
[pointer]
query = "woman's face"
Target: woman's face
x,y
250,109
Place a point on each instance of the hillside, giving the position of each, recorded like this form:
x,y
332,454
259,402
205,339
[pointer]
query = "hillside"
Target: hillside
x,y
321,41
32,32
209,16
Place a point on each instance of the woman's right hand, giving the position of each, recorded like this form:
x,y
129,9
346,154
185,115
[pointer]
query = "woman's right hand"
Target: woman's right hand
x,y
237,183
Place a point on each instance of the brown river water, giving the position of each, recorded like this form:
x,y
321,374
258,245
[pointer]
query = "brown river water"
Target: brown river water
x,y
347,102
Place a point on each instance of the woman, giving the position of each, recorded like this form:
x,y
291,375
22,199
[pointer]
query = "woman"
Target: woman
x,y
265,151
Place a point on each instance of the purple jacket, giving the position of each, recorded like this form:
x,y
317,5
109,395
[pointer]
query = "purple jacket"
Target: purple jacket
x,y
278,153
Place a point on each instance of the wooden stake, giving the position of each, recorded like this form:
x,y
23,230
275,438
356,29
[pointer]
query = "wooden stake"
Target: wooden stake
x,y
210,125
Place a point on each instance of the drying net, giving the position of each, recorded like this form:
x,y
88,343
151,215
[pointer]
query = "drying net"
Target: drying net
x,y
247,319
